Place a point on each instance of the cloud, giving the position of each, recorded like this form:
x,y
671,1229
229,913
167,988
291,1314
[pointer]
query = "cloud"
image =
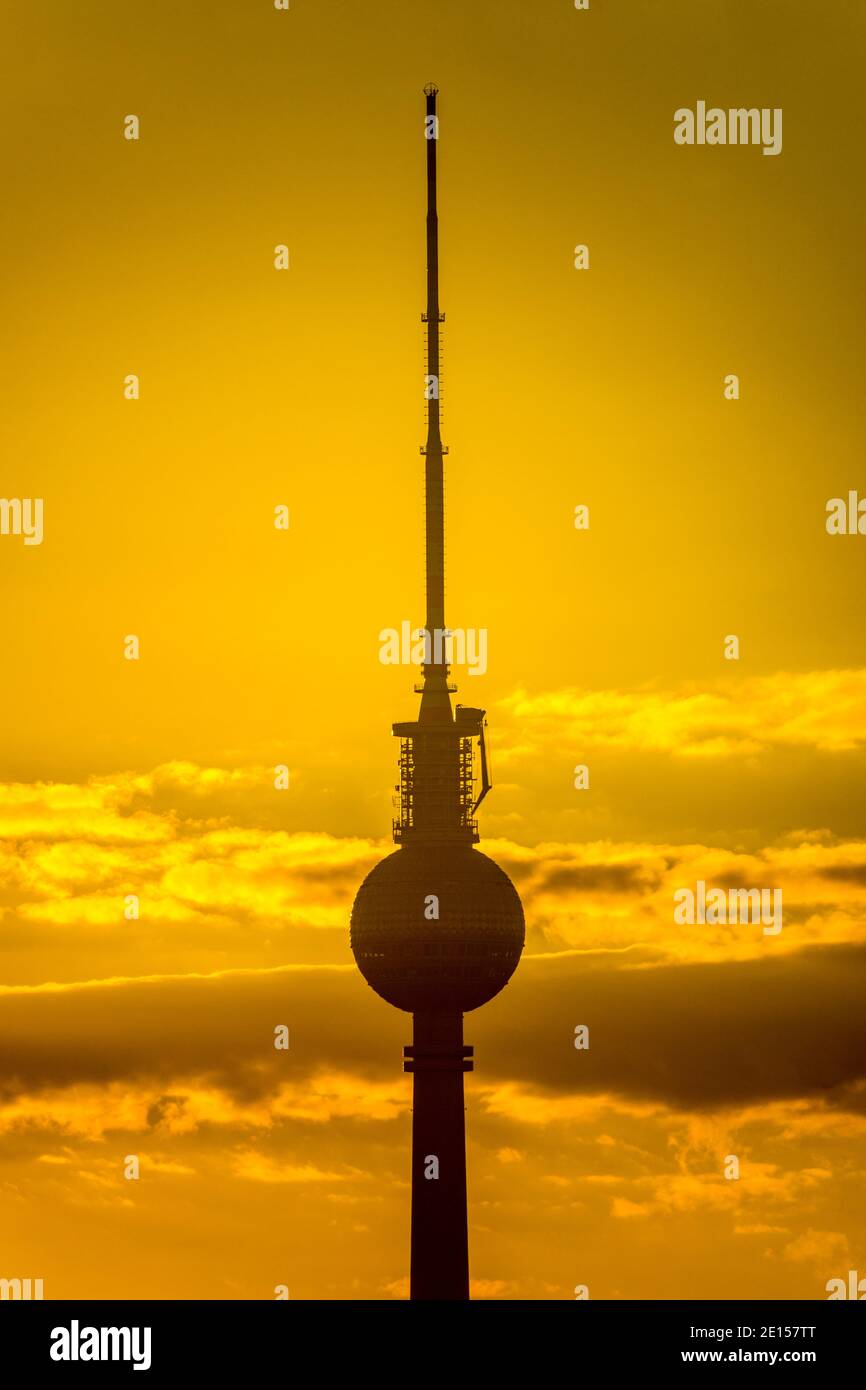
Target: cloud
x,y
221,893
687,1036
824,710
703,1040
761,1184
820,1248
256,1167
759,1228
695,1036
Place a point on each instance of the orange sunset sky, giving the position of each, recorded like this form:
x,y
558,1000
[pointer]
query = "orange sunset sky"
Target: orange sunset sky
x,y
259,647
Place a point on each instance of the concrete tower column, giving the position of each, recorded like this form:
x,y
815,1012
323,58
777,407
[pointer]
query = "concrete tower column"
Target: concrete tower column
x,y
440,1237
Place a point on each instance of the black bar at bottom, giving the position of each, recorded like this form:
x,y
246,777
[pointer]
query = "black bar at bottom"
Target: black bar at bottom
x,y
225,1338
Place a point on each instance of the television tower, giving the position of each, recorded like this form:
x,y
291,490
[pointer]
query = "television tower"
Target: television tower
x,y
437,927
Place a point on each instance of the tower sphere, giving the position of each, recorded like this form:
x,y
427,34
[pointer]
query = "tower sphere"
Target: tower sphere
x,y
422,963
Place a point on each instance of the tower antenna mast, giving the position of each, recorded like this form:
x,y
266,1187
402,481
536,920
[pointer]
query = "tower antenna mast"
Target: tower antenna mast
x,y
433,472
435,701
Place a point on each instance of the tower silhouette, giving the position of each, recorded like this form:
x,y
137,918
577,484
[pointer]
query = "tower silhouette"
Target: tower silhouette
x,y
437,927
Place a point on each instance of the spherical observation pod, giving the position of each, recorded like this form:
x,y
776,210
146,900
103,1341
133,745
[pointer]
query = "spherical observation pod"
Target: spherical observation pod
x,y
454,963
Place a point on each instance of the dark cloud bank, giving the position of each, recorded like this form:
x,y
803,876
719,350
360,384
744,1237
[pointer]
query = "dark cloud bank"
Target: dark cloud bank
x,y
689,1036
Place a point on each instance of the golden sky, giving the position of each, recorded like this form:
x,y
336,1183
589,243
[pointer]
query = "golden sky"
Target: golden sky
x,y
260,647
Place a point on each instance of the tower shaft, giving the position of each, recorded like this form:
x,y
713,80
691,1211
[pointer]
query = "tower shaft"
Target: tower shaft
x,y
440,1236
